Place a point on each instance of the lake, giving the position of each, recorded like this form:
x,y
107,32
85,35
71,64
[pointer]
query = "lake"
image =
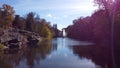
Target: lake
x,y
58,53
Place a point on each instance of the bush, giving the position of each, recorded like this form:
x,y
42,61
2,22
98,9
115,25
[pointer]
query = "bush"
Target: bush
x,y
1,46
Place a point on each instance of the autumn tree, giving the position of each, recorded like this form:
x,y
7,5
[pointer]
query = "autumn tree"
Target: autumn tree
x,y
81,29
101,26
45,30
108,6
40,26
6,16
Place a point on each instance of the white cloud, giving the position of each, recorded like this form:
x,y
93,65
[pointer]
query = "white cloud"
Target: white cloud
x,y
51,16
60,11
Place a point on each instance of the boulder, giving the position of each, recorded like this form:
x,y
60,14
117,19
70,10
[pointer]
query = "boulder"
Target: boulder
x,y
14,43
32,41
14,38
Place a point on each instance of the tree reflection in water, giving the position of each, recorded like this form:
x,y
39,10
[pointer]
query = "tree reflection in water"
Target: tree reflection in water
x,y
100,54
31,55
63,53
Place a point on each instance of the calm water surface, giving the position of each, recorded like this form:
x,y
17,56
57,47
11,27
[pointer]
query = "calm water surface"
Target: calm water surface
x,y
58,53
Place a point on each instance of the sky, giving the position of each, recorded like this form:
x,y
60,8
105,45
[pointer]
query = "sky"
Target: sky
x,y
60,12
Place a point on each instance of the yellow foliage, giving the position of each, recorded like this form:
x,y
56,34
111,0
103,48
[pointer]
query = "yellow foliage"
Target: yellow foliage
x,y
1,46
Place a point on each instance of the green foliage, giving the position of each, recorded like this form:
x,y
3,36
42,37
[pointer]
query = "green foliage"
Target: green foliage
x,y
40,26
31,22
46,32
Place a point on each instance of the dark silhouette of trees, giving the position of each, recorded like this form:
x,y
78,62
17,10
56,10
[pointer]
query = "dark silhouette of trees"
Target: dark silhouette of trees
x,y
19,22
99,54
101,26
30,21
98,27
16,21
56,31
81,29
94,28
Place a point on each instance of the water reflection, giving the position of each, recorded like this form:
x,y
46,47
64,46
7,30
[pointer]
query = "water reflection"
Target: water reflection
x,y
25,58
60,53
100,54
63,57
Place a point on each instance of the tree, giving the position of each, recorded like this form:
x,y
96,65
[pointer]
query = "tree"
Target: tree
x,y
55,31
30,21
108,6
40,26
101,26
19,22
45,30
16,21
6,16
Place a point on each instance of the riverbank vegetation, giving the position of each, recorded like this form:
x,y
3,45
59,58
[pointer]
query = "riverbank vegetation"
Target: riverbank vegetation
x,y
31,22
16,30
101,26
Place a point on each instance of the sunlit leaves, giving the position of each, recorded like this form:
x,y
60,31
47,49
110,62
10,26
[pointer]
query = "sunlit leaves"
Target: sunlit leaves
x,y
40,26
6,16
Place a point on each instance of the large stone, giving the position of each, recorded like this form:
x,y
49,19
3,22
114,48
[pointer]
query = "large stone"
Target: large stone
x,y
14,38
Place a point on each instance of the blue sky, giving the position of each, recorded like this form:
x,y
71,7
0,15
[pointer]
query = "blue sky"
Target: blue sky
x,y
61,12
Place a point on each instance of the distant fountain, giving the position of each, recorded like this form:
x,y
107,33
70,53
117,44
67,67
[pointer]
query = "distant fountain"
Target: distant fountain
x,y
63,33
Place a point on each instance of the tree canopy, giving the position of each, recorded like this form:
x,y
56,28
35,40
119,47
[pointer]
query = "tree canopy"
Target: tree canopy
x,y
6,16
98,26
31,22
